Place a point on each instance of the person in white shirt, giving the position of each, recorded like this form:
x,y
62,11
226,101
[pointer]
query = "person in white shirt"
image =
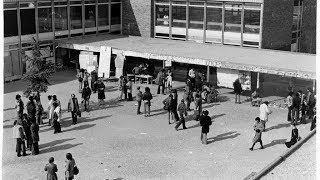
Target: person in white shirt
x,y
264,112
289,103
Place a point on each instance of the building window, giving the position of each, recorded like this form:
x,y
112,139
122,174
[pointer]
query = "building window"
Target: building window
x,y
76,17
251,29
196,17
27,16
232,28
103,18
90,16
214,22
178,21
11,23
45,20
162,20
115,14
61,20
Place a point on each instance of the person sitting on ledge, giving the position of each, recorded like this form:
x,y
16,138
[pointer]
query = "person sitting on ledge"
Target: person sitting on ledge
x,y
255,98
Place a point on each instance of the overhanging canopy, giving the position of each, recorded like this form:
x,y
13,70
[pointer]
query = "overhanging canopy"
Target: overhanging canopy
x,y
248,59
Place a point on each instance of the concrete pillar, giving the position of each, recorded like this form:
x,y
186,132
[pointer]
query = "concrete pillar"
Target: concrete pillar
x,y
258,79
208,73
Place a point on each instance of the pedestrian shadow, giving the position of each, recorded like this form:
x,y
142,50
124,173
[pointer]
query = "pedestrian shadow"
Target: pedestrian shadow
x,y
111,88
78,128
279,126
53,143
163,112
68,123
224,136
115,179
209,105
8,109
275,142
7,126
223,98
58,148
104,105
217,116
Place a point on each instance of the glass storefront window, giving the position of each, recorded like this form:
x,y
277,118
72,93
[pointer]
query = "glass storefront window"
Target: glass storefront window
x,y
76,17
103,16
61,20
196,17
115,14
90,16
11,23
178,21
214,23
45,20
28,25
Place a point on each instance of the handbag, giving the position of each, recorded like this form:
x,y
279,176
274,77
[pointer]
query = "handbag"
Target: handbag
x,y
75,170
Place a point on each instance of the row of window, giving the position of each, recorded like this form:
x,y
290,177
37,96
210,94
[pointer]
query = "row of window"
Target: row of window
x,y
230,23
81,16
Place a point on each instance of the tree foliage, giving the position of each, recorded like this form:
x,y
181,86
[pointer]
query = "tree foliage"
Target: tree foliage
x,y
39,72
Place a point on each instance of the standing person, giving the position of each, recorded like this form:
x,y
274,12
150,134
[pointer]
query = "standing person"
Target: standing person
x,y
35,137
146,97
19,135
86,76
182,108
205,122
296,108
294,136
258,128
56,118
31,108
139,99
303,106
26,124
198,81
123,87
51,169
130,90
73,107
290,107
264,113
237,90
310,100
39,110
80,76
136,70
19,106
101,87
188,98
192,76
70,164
86,93
198,106
169,80
51,109
175,105
314,119
55,100
160,81
168,106
94,79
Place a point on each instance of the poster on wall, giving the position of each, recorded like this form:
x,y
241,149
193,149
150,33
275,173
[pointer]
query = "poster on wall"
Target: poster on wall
x,y
245,80
104,62
119,63
226,77
168,63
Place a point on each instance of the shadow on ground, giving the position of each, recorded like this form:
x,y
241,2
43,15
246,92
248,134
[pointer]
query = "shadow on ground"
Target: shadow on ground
x,y
275,142
57,148
53,143
67,123
279,126
224,136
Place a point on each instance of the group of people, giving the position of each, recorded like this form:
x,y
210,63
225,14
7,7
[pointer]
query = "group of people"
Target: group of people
x,y
71,168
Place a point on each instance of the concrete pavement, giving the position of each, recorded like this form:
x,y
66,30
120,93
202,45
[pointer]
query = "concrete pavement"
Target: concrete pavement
x,y
113,142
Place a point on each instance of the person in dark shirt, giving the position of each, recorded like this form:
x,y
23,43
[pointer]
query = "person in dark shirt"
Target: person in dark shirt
x,y
205,122
296,108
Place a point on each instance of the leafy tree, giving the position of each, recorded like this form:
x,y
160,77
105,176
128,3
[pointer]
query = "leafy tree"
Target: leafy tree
x,y
39,72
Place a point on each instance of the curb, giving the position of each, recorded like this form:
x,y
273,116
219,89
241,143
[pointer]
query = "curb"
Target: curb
x,y
282,157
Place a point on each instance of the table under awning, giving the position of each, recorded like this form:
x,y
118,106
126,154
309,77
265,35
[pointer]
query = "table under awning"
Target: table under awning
x,y
281,63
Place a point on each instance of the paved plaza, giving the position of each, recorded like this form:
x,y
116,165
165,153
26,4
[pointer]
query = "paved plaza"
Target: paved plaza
x,y
112,142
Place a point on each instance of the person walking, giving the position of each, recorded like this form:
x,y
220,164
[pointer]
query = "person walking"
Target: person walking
x,y
294,136
35,137
168,106
175,105
146,97
56,118
80,76
130,90
188,98
94,79
86,93
303,106
264,113
51,169
205,123
70,164
123,87
19,135
50,110
31,108
169,80
198,107
296,108
182,108
310,100
237,90
258,128
139,99
101,87
73,107
39,110
86,76
26,124
19,106
290,107
160,81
